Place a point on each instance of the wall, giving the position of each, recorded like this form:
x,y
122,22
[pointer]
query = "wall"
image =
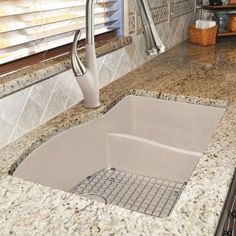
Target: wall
x,y
27,109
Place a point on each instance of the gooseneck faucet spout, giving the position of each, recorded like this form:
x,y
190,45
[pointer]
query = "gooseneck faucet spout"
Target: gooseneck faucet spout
x,y
87,77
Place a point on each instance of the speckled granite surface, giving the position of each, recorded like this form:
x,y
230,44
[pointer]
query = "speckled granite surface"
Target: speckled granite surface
x,y
186,73
16,81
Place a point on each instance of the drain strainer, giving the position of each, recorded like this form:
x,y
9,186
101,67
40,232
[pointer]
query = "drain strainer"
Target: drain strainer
x,y
144,194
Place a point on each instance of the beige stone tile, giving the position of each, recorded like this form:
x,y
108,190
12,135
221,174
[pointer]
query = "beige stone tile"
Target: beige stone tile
x,y
42,91
105,76
11,106
141,44
70,102
136,39
130,49
100,61
46,116
57,102
75,92
17,133
137,58
65,81
5,131
111,60
124,66
30,116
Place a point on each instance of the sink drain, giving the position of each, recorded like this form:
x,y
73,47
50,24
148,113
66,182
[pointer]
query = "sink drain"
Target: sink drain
x,y
144,194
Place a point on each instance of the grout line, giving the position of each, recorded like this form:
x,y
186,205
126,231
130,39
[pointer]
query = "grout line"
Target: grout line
x,y
102,62
68,97
17,122
112,69
118,64
49,99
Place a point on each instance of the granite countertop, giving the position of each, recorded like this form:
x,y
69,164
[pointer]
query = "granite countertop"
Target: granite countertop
x,y
190,73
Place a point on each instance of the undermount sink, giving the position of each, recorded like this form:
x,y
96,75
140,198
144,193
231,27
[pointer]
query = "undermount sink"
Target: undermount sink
x,y
139,146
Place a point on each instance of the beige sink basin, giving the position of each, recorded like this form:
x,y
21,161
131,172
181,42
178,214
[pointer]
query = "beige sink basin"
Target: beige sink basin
x,y
150,137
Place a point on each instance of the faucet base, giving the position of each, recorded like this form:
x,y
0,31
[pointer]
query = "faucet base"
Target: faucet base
x,y
89,89
91,105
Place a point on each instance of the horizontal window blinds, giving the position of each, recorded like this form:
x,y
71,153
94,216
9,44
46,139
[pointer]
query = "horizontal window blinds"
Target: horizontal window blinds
x,y
31,26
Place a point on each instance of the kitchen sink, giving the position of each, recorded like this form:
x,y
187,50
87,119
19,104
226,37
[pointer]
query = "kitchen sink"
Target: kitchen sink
x,y
143,148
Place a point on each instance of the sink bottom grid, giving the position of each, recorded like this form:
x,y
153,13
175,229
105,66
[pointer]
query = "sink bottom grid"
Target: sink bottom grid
x,y
148,195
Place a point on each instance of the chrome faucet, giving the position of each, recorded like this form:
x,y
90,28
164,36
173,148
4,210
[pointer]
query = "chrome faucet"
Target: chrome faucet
x,y
154,44
87,76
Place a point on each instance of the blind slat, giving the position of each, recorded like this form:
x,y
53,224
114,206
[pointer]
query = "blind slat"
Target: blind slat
x,y
11,8
34,47
29,27
14,23
30,34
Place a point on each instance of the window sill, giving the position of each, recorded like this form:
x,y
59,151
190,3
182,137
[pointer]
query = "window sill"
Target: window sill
x,y
27,76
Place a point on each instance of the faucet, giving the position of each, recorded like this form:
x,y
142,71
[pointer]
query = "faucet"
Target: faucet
x,y
154,44
87,77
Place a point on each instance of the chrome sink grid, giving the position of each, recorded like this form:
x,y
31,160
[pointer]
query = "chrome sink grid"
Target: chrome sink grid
x,y
148,195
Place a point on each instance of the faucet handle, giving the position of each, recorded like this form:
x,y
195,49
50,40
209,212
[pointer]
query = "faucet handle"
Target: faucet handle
x,y
76,63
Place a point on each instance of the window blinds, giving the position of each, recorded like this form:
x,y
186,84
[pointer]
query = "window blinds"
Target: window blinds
x,y
31,26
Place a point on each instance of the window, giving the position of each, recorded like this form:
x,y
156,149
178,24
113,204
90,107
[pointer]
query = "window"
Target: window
x,y
28,27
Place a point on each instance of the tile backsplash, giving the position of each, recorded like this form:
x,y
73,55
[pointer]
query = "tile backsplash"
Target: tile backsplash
x,y
28,108
171,18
